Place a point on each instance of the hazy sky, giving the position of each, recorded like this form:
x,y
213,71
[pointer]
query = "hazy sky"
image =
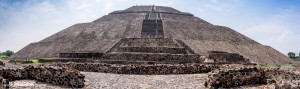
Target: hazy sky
x,y
270,22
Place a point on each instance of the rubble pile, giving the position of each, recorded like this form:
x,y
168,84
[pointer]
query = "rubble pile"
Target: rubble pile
x,y
140,69
291,85
49,74
276,74
4,83
227,78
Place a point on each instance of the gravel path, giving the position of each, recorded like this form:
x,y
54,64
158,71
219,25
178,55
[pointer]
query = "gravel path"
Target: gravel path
x,y
121,81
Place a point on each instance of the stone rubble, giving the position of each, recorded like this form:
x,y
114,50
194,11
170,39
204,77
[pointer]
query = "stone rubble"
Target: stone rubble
x,y
249,75
49,74
4,83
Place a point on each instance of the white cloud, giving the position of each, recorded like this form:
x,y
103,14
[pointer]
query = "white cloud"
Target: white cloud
x,y
32,21
82,6
214,1
201,10
279,31
213,7
36,21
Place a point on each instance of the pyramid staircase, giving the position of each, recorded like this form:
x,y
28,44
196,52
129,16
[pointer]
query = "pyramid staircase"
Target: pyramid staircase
x,y
149,50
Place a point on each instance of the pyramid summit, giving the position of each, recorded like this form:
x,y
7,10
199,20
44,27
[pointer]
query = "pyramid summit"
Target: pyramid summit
x,y
162,32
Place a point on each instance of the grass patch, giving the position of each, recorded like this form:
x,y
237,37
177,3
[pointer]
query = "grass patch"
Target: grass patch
x,y
35,62
277,64
6,61
48,58
3,56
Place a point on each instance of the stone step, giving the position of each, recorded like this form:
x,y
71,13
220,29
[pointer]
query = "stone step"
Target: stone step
x,y
128,62
139,42
158,57
180,50
152,27
152,23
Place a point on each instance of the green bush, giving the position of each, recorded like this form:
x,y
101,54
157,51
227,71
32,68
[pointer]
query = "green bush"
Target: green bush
x,y
292,55
7,53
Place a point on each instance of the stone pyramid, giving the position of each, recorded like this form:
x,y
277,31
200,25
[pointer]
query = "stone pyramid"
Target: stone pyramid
x,y
140,31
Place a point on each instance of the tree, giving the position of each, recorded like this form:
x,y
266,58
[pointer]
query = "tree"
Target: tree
x,y
291,54
8,53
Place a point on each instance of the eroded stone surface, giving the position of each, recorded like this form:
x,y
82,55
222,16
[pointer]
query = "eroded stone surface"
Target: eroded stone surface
x,y
50,74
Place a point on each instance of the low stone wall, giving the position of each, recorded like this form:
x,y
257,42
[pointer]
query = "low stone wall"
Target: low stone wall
x,y
64,60
49,74
227,57
227,78
157,57
153,50
139,69
20,61
80,55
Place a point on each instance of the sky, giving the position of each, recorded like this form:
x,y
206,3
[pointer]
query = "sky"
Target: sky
x,y
275,23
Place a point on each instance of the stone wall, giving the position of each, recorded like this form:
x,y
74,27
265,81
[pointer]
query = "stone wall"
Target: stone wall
x,y
139,69
80,55
49,74
65,60
155,57
146,42
227,57
231,77
153,50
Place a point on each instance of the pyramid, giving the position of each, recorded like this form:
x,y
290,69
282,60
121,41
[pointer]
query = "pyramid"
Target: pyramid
x,y
151,30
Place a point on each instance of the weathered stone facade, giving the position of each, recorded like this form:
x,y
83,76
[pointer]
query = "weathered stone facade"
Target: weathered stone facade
x,y
153,57
49,74
65,60
80,55
4,83
153,50
219,56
